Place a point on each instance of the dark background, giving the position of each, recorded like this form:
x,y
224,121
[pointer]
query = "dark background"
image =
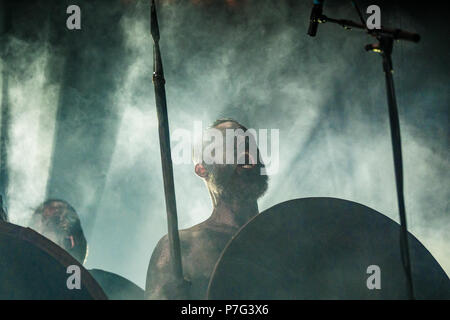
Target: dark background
x,y
79,123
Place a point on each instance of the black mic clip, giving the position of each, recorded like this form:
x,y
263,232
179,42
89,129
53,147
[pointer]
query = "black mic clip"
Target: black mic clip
x,y
315,18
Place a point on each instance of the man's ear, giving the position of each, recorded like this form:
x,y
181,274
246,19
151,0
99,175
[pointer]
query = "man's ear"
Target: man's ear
x,y
200,170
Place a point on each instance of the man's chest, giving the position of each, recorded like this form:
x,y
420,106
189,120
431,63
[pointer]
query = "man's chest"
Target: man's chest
x,y
201,254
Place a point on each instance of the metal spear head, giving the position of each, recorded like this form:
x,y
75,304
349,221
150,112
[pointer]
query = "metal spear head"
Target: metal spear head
x,y
154,23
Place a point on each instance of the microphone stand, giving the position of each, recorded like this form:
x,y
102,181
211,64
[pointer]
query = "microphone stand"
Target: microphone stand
x,y
384,47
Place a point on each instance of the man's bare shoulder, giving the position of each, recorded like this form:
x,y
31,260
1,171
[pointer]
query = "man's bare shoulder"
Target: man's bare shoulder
x,y
199,234
201,246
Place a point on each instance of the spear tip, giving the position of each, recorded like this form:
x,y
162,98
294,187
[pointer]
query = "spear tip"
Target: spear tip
x,y
154,28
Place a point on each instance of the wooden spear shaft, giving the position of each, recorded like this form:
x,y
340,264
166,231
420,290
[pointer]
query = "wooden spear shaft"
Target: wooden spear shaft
x,y
166,158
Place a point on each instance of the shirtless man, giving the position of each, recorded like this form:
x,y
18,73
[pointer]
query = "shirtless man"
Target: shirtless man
x,y
234,190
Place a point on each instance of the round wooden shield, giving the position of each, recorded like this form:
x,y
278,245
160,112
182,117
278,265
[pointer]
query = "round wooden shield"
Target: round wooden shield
x,y
323,248
117,287
34,268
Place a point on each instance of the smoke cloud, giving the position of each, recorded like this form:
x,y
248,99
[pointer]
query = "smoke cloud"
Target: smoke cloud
x,y
251,61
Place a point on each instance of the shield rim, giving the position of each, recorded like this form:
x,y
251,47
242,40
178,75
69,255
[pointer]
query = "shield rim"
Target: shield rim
x,y
56,252
237,233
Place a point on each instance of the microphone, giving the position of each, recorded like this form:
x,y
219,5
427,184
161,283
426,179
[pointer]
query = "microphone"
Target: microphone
x,y
314,18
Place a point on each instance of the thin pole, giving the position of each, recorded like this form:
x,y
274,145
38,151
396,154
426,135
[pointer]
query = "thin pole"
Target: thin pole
x,y
166,158
5,108
386,45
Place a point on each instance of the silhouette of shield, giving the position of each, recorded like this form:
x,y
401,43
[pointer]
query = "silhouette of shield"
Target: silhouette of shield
x,y
34,268
323,248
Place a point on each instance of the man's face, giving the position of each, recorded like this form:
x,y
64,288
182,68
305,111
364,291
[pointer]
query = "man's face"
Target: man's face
x,y
242,179
54,217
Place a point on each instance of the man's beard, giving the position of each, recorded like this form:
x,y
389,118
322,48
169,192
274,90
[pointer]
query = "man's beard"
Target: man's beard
x,y
233,182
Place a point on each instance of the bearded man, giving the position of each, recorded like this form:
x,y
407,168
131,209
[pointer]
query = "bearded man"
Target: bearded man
x,y
234,189
58,221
